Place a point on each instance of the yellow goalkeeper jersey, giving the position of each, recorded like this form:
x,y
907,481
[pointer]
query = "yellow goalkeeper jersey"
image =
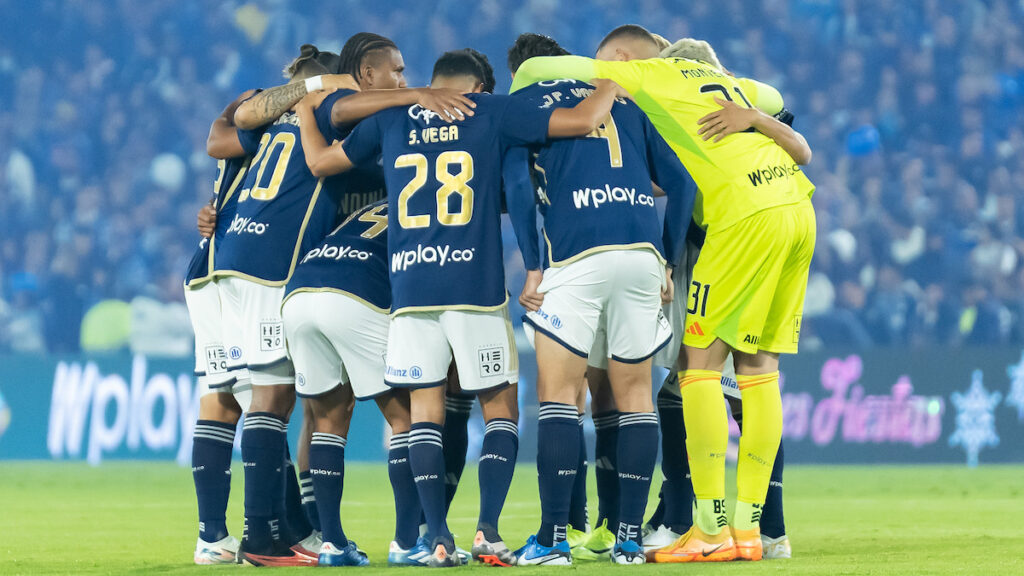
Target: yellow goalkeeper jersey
x,y
738,176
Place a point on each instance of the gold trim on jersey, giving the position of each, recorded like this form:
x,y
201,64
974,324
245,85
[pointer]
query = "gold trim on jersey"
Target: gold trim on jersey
x,y
295,251
552,263
323,289
463,307
222,199
514,360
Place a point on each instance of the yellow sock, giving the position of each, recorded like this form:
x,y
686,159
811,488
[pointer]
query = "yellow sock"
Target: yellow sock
x,y
707,436
759,443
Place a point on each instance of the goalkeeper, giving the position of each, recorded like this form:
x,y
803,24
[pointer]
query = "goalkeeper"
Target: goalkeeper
x,y
747,291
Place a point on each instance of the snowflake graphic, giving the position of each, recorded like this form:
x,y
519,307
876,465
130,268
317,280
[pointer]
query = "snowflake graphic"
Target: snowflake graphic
x,y
975,419
1015,397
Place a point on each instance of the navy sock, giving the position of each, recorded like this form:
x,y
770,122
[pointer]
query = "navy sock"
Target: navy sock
x,y
309,499
295,513
211,471
638,453
426,456
497,464
659,512
773,524
455,437
578,504
606,429
677,488
327,468
263,448
407,502
557,454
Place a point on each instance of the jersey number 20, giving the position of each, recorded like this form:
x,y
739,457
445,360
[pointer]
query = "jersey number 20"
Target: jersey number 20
x,y
457,183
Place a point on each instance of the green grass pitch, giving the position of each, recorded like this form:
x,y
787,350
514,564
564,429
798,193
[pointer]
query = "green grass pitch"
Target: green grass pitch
x,y
129,518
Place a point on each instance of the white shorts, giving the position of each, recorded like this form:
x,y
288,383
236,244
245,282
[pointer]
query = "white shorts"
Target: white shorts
x,y
213,369
618,290
240,389
421,346
675,310
252,327
334,339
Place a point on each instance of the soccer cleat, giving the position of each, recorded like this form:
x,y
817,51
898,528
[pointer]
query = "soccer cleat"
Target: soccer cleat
x,y
277,554
598,544
696,546
349,555
628,552
415,556
775,548
659,538
223,551
493,553
442,558
310,545
576,539
533,554
748,544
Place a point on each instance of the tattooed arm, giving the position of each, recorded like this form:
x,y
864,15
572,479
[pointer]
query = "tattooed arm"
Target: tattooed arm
x,y
268,105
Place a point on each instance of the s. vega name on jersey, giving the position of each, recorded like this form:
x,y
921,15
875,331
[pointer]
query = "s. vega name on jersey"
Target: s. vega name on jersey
x,y
444,198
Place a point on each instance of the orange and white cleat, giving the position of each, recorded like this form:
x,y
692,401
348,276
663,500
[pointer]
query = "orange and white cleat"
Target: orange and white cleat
x,y
748,544
696,546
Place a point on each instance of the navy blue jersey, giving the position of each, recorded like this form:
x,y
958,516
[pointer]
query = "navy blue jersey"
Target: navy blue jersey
x,y
351,260
444,189
230,175
283,210
595,192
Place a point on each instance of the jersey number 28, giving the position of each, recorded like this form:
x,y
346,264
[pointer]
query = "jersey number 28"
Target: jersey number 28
x,y
457,183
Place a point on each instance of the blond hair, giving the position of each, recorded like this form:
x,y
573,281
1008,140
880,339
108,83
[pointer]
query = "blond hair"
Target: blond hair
x,y
660,41
692,49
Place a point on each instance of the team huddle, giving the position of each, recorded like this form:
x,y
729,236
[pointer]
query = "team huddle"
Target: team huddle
x,y
353,251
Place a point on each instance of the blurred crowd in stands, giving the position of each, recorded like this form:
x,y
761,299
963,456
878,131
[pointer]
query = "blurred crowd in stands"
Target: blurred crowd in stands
x,y
915,112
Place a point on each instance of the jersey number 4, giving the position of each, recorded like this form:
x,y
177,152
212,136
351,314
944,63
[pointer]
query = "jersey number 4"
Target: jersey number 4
x,y
451,184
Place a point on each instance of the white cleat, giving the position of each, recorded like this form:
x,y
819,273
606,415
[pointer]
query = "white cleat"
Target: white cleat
x,y
310,545
223,551
776,548
660,538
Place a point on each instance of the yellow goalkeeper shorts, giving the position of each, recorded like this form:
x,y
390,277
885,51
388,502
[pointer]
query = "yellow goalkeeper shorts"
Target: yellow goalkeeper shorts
x,y
749,282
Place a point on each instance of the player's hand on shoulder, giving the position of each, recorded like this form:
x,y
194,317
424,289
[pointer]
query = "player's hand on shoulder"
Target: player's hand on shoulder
x,y
314,99
333,82
729,119
206,221
530,298
450,105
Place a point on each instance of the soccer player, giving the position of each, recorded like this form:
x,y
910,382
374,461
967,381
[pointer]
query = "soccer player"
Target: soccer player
x,y
748,283
605,262
447,276
224,393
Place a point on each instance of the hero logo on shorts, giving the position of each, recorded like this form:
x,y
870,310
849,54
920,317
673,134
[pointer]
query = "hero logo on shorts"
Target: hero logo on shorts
x,y
271,336
439,255
216,360
246,226
492,361
586,197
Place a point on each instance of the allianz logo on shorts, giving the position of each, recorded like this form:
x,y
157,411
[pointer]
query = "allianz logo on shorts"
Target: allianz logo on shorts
x,y
300,379
552,319
595,197
246,226
415,372
337,253
439,255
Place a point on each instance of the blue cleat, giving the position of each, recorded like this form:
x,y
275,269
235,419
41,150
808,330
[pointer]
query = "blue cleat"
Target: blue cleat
x,y
350,555
415,556
533,554
628,552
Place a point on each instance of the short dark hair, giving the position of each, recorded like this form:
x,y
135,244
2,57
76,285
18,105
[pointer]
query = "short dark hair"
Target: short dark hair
x,y
310,62
529,45
466,62
360,47
631,31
